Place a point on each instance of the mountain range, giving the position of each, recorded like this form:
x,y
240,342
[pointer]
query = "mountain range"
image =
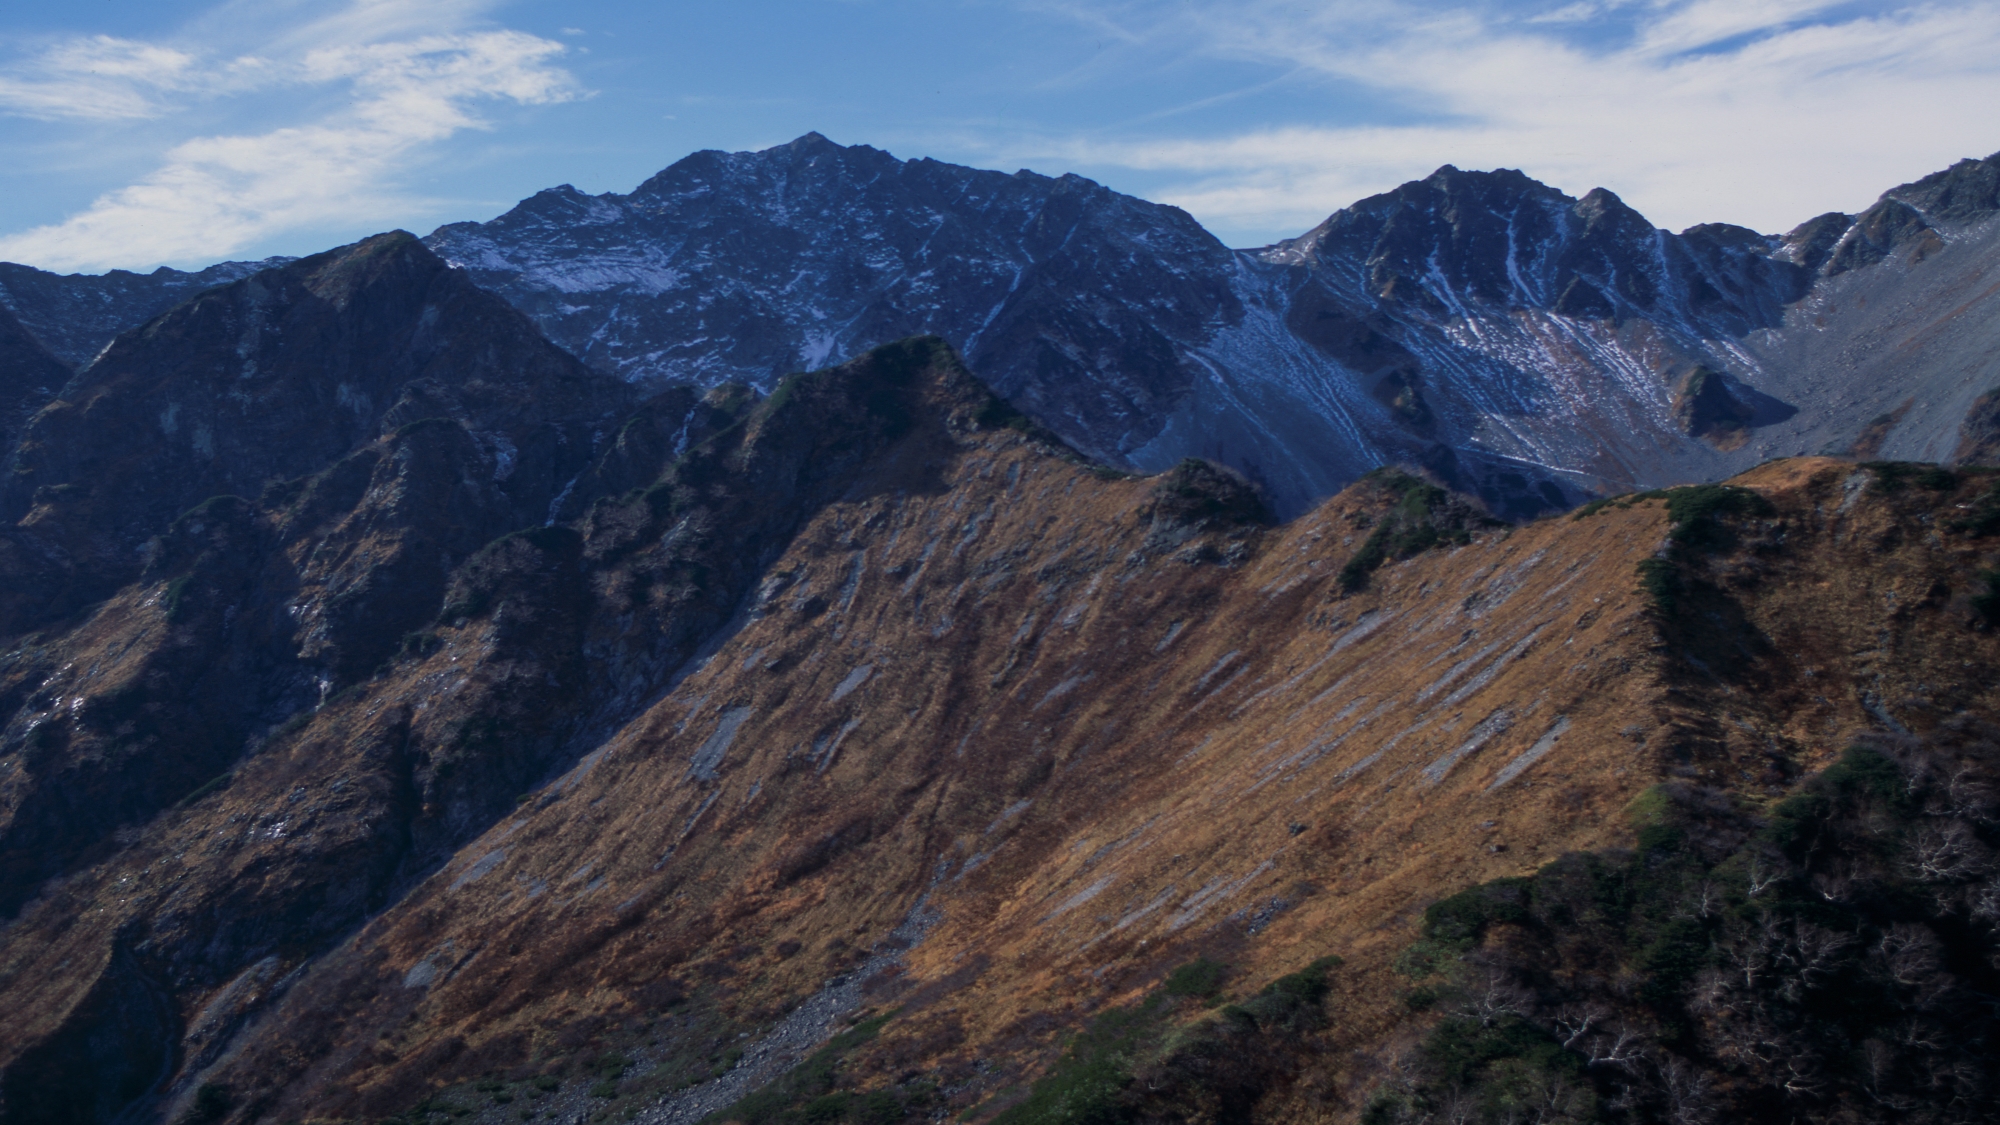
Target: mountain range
x,y
1531,348
825,640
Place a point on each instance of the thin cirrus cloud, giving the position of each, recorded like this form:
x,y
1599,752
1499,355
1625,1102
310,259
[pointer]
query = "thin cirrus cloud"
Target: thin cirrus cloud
x,y
212,195
103,78
1759,112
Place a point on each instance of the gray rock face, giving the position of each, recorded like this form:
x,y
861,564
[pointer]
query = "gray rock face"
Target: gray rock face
x,y
1083,304
1531,347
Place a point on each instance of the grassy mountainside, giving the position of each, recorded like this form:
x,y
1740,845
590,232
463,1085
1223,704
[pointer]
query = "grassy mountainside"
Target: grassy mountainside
x,y
1004,709
858,753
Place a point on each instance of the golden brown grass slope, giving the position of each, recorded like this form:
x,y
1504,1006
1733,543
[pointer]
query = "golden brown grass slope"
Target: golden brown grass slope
x,y
1001,694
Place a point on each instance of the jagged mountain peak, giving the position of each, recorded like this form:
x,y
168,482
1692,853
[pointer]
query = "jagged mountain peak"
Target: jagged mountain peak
x,y
1911,221
1457,242
1139,338
1967,191
742,267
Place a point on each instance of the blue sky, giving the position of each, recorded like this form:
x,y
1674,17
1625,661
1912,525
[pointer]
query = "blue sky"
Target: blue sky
x,y
182,132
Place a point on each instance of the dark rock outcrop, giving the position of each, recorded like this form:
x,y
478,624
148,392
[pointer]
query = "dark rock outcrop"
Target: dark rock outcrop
x,y
1966,192
1706,408
1460,240
1979,434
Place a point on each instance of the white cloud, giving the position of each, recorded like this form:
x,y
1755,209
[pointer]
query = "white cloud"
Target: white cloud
x,y
1761,112
213,195
104,78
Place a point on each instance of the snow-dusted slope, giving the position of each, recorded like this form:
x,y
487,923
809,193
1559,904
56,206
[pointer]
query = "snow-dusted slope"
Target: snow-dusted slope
x,y
1533,347
1082,304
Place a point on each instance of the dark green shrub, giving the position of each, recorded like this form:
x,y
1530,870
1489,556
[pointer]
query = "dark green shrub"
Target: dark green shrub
x,y
211,1103
1894,476
1199,979
1598,505
174,599
1696,512
1465,915
1086,1085
827,1107
1861,771
877,1107
1200,492
1984,516
1660,580
1420,517
1986,603
1774,968
1294,1002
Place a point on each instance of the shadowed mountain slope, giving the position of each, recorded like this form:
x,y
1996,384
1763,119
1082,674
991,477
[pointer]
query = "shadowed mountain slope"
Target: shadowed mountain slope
x,y
272,378
75,315
29,376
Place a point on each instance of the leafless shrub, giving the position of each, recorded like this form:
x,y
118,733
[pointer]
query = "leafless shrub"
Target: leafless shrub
x,y
1490,995
1687,1092
1804,1077
1908,953
1703,901
1947,853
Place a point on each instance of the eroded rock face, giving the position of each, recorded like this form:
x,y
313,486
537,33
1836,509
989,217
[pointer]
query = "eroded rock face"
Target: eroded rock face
x,y
243,507
271,379
243,620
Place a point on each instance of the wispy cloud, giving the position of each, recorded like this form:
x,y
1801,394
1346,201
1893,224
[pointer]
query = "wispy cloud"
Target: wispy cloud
x,y
102,78
406,85
1762,112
